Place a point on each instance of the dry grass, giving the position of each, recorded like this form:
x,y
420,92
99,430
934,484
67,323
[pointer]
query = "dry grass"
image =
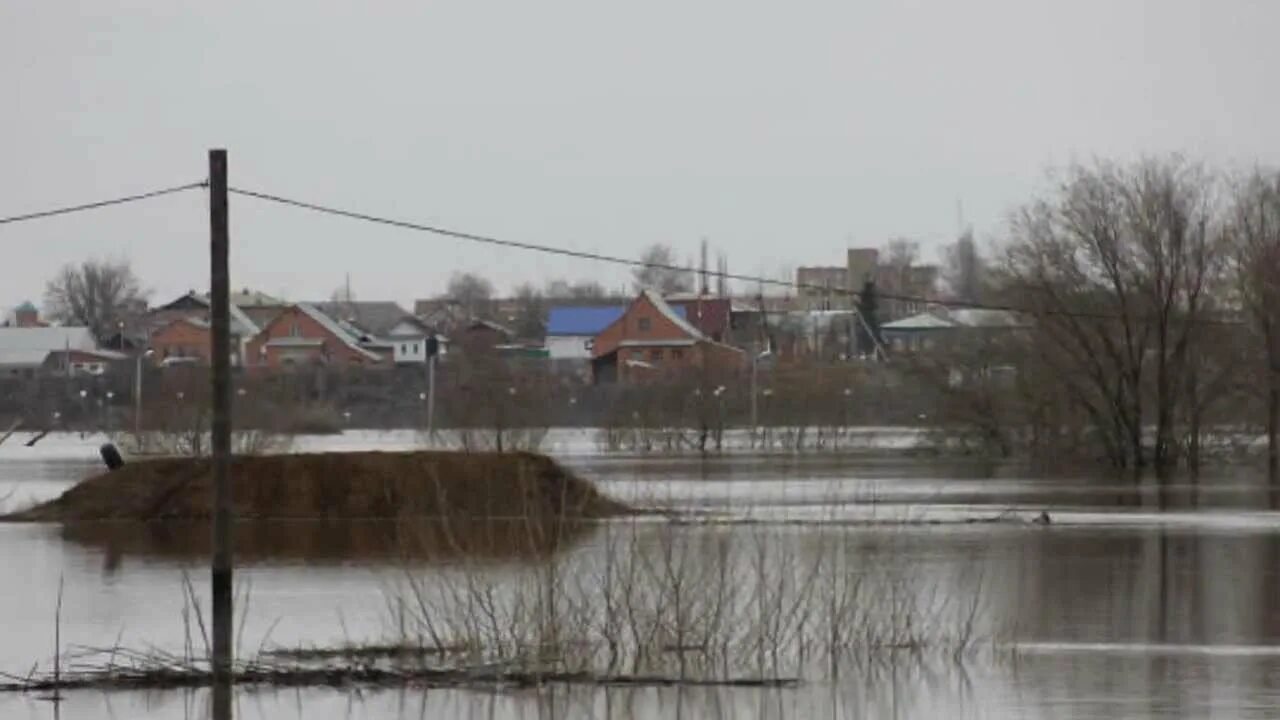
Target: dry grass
x,y
338,485
698,604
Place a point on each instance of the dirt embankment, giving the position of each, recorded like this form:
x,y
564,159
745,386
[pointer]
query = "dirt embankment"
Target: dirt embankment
x,y
451,485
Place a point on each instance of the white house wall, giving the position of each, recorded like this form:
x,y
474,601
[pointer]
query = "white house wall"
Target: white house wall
x,y
569,347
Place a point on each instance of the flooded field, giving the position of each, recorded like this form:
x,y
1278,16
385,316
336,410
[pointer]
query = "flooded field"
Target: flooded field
x,y
1125,604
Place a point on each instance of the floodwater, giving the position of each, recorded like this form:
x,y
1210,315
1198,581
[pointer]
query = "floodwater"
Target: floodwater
x,y
1123,606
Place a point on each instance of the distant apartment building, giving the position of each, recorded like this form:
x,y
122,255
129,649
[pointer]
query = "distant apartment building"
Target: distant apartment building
x,y
903,290
861,265
906,291
823,287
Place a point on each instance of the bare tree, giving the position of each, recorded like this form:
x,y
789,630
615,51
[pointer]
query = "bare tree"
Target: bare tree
x,y
343,294
1254,233
558,289
531,312
561,289
894,277
964,270
588,290
97,294
474,294
901,253
1116,266
661,272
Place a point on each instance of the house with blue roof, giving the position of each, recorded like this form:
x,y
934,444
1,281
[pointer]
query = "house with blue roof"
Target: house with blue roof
x,y
571,329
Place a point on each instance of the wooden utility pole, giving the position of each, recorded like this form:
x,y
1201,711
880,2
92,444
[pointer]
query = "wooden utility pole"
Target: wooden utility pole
x,y
220,309
433,349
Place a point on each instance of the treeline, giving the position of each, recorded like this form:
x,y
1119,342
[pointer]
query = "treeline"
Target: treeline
x,y
1147,322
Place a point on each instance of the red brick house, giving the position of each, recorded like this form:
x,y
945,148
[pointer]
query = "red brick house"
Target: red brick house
x,y
710,314
302,335
652,342
482,337
180,329
184,337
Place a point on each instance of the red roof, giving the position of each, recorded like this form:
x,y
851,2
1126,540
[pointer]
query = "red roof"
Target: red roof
x,y
709,314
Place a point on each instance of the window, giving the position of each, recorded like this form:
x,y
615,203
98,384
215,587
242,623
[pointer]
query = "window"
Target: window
x,y
294,330
415,348
404,349
655,354
643,324
677,354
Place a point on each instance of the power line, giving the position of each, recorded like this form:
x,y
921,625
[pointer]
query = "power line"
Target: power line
x,y
549,249
101,203
629,262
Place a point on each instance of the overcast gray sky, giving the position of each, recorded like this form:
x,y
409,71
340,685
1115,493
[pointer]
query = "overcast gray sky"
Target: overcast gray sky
x,y
783,132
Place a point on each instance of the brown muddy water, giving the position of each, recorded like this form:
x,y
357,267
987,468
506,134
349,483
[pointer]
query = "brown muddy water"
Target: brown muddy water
x,y
1128,604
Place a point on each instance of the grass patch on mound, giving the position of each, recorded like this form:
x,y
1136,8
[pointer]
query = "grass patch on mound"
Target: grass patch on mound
x,y
363,485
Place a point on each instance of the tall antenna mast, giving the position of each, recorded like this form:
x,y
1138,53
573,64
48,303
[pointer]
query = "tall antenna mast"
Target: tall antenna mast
x,y
706,288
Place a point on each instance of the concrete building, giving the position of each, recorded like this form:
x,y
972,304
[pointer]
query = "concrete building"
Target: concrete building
x,y
823,288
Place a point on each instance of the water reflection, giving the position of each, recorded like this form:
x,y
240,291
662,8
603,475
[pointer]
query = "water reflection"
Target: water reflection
x,y
308,541
1134,619
1158,587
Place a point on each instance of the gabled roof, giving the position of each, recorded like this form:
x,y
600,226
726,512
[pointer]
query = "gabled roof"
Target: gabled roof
x,y
481,322
676,318
261,316
336,330
709,314
191,299
579,320
375,318
241,323
921,321
46,338
958,318
253,298
984,317
23,358
113,355
189,320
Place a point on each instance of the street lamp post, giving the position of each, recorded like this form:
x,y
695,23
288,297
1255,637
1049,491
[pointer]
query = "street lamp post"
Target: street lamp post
x,y
755,365
137,393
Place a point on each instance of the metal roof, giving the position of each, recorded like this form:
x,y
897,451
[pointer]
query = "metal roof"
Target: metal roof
x,y
677,317
579,320
922,321
958,318
376,318
23,358
46,338
336,330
